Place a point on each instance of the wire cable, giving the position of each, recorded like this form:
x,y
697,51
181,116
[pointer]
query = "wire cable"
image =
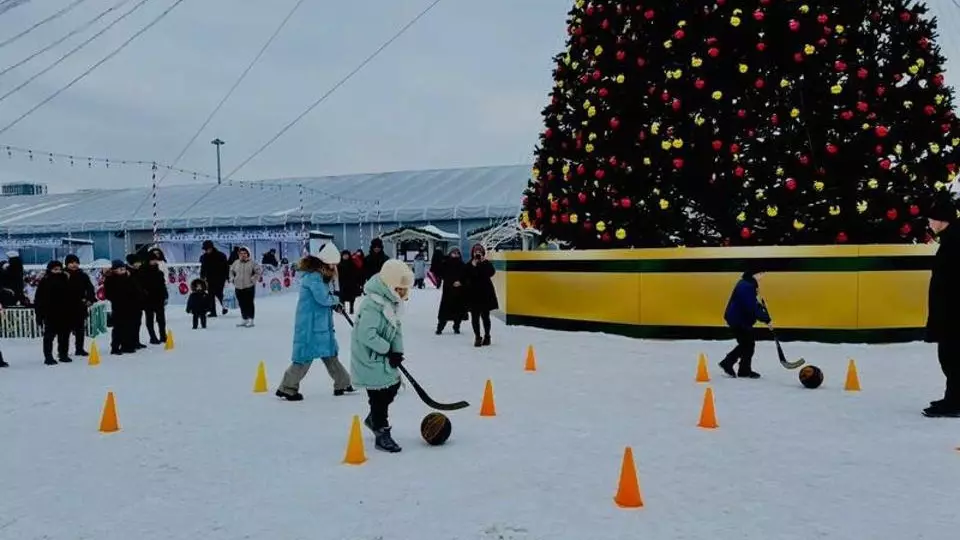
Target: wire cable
x,y
72,33
56,15
236,84
90,70
335,87
7,5
72,51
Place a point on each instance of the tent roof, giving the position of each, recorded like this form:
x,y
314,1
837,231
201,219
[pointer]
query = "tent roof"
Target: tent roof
x,y
428,195
428,231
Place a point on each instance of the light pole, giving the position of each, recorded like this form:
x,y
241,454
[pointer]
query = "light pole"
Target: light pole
x,y
218,143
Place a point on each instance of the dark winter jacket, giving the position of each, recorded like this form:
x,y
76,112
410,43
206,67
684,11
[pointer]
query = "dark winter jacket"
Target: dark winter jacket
x,y
372,264
198,302
123,293
348,276
744,308
154,284
269,259
214,268
137,278
11,278
944,294
480,294
453,302
82,290
55,302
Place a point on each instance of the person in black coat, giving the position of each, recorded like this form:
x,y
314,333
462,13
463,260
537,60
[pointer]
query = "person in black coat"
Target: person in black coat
x,y
481,296
453,305
54,304
154,283
134,269
11,279
943,302
83,294
198,302
374,260
436,266
743,311
123,293
214,269
348,276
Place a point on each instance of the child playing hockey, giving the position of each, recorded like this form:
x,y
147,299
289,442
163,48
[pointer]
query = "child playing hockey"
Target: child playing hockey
x,y
313,331
376,346
198,302
743,311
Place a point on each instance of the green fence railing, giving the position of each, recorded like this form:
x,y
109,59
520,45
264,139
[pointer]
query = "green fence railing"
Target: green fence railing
x,y
21,322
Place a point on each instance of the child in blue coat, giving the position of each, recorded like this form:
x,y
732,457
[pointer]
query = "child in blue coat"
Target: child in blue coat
x,y
743,311
313,331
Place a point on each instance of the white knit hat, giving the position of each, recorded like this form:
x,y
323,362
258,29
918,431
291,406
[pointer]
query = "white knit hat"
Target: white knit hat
x,y
396,274
329,254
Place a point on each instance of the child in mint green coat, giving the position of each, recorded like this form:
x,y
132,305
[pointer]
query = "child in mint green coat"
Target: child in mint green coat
x,y
376,346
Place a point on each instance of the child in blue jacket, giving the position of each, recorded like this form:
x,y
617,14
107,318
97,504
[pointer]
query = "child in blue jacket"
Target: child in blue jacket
x,y
743,311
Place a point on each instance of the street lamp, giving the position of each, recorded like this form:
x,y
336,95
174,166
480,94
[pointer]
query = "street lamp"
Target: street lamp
x,y
218,143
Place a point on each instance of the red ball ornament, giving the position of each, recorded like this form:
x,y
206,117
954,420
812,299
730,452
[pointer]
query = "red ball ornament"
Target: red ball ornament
x,y
822,18
929,110
676,104
798,57
758,84
862,106
665,96
612,161
717,145
565,218
713,52
885,164
862,73
742,113
614,123
791,184
539,213
587,225
832,148
914,210
582,197
758,15
547,133
745,233
794,25
554,206
846,115
699,84
881,131
553,219
878,149
905,16
625,202
840,65
599,174
581,169
649,14
938,79
606,237
761,46
841,237
721,2
621,55
596,74
603,92
679,34
734,148
905,229
605,24
804,159
823,43
923,42
775,119
641,61
584,79
739,172
678,163
590,10
892,214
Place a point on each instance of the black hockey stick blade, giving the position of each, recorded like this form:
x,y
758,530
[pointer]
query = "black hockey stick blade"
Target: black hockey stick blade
x,y
424,396
783,358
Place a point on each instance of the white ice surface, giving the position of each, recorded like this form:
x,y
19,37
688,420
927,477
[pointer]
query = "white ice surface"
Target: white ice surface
x,y
201,457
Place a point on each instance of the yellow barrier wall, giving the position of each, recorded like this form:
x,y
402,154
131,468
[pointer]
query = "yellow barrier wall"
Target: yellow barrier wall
x,y
821,293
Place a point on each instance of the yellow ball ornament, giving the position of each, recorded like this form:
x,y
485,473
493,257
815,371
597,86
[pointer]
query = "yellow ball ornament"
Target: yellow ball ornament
x,y
601,226
741,217
804,9
935,148
677,73
665,145
717,95
591,112
588,147
587,104
818,185
798,225
598,50
809,49
667,44
779,171
834,210
566,169
592,136
836,89
734,21
664,204
794,113
646,161
655,128
772,211
862,206
678,143
620,79
696,62
574,218
743,68
621,234
839,29
698,120
784,83
914,69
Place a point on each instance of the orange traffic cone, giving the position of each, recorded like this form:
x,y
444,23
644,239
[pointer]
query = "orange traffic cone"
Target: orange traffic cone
x,y
853,380
108,420
628,491
487,408
168,344
94,355
708,415
702,374
260,383
355,454
531,363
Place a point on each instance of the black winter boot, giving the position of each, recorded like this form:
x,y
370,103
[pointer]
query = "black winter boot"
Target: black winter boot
x,y
486,340
385,442
290,397
2,363
49,361
477,341
342,391
727,368
440,326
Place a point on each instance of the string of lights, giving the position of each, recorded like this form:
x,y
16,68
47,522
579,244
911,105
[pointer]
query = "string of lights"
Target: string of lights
x,y
72,51
67,36
42,22
335,87
90,70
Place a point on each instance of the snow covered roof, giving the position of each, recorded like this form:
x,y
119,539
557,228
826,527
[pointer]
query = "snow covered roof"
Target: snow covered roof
x,y
428,231
428,195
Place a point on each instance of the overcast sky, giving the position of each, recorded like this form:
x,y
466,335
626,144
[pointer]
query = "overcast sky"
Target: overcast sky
x,y
463,87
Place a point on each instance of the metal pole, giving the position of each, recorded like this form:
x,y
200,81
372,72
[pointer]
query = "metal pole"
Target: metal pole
x,y
218,143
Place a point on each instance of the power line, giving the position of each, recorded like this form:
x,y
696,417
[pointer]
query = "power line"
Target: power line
x,y
7,5
72,51
335,87
72,33
56,15
90,70
235,84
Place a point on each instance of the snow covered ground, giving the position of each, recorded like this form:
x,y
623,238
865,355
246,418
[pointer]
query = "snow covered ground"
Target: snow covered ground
x,y
202,457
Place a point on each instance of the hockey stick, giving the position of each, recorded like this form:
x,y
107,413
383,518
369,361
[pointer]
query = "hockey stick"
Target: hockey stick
x,y
783,358
424,396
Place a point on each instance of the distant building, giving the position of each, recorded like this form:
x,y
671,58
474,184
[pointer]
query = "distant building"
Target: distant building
x,y
17,189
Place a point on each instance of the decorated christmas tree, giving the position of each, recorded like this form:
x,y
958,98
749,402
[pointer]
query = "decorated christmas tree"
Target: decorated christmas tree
x,y
744,122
